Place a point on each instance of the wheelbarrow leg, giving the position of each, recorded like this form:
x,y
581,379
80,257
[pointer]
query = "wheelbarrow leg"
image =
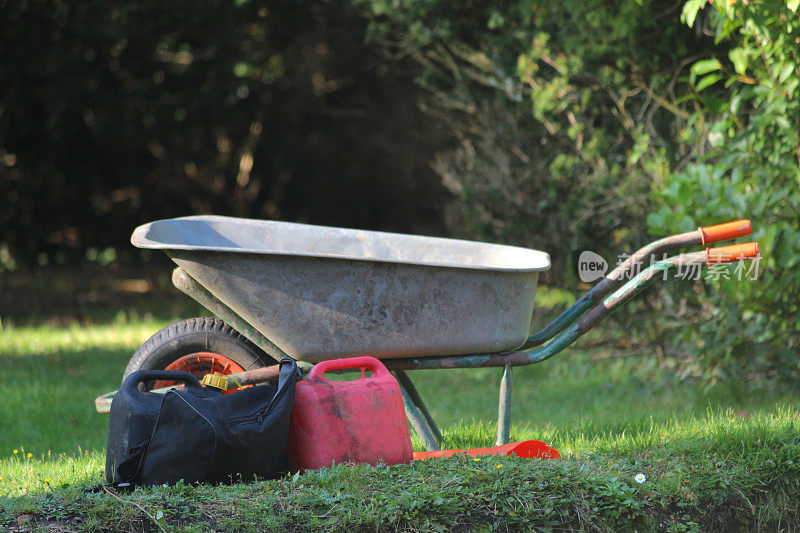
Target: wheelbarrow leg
x,y
408,385
504,408
418,414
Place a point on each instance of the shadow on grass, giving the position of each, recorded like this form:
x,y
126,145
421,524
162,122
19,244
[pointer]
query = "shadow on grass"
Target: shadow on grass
x,y
93,294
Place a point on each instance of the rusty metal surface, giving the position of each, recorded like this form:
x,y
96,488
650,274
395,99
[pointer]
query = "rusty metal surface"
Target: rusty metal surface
x,y
413,394
419,423
319,293
649,253
612,281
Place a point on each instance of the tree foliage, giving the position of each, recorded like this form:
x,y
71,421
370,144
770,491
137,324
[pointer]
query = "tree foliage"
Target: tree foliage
x,y
562,113
748,119
113,113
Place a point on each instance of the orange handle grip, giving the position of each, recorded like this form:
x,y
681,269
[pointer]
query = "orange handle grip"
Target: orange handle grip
x,y
727,231
729,254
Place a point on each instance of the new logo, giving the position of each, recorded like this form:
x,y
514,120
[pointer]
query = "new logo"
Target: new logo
x,y
591,266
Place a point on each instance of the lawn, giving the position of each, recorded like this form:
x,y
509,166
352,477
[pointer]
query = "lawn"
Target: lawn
x,y
724,457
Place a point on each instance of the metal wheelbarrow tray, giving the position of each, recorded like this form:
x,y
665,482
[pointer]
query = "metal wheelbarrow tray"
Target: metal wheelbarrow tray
x,y
320,293
317,293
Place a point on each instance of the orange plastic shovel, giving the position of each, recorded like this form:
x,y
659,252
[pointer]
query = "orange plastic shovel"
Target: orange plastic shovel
x,y
527,449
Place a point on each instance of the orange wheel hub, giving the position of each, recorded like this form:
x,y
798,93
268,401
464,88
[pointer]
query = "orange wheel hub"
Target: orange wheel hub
x,y
199,364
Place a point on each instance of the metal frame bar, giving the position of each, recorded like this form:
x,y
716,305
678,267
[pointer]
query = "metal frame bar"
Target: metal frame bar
x,y
615,279
414,396
504,408
571,332
612,281
419,422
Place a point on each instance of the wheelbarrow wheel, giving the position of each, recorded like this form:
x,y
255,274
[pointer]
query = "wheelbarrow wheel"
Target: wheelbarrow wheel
x,y
200,346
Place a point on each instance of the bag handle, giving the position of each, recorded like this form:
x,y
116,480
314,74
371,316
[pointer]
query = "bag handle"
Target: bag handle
x,y
289,374
140,376
364,362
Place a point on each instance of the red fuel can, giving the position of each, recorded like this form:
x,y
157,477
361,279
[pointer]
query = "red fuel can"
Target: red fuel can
x,y
360,421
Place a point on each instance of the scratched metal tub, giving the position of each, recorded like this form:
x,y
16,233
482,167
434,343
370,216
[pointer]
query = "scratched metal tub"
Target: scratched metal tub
x,y
319,293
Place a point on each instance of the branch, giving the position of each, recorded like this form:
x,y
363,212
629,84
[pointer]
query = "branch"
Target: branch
x,y
142,509
669,106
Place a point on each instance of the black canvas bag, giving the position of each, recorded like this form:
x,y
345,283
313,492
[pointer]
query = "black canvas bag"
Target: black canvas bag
x,y
133,416
201,435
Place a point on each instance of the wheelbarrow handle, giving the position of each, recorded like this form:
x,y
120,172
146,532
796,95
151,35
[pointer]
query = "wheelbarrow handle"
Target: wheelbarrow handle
x,y
701,236
726,231
586,322
729,254
724,254
616,278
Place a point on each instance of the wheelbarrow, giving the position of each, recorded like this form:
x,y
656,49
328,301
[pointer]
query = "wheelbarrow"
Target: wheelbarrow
x,y
315,293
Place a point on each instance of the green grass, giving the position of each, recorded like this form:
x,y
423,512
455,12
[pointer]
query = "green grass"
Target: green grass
x,y
49,378
713,458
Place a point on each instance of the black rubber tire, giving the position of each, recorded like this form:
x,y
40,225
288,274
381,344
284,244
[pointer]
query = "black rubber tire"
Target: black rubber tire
x,y
196,335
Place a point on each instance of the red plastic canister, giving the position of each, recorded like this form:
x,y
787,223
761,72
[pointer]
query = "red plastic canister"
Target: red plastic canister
x,y
360,421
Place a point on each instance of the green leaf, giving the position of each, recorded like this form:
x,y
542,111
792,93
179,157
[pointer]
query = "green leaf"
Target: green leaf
x,y
735,103
738,57
782,122
496,20
708,80
655,221
705,66
791,87
687,224
785,72
690,10
793,5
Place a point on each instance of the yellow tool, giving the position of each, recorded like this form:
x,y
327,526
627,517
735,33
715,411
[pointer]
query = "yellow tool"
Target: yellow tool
x,y
220,381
